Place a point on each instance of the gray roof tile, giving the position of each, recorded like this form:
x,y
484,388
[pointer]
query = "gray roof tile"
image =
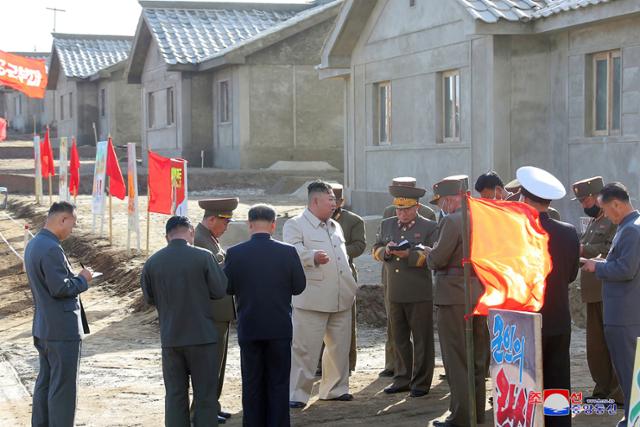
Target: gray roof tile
x,y
83,55
189,36
491,11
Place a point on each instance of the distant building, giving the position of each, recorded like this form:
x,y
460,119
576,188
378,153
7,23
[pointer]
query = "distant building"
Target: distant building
x,y
237,81
86,76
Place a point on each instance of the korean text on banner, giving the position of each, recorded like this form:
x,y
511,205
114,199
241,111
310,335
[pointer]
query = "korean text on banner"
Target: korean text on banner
x,y
26,75
98,193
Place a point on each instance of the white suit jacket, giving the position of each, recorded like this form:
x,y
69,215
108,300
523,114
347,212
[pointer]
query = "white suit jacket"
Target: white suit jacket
x,y
330,287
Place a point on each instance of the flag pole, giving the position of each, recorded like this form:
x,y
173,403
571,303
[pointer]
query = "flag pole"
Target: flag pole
x,y
50,176
148,215
468,319
110,198
35,174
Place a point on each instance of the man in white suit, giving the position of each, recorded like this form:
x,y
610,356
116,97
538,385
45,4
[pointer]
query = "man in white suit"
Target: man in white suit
x,y
323,311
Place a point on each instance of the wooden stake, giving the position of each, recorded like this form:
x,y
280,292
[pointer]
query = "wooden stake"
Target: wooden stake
x,y
50,190
110,215
148,225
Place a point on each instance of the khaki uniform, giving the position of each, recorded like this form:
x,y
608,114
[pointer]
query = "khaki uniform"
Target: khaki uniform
x,y
446,261
356,242
390,211
410,296
223,309
596,241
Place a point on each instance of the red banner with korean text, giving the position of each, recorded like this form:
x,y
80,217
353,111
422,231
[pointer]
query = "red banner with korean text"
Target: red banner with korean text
x,y
26,75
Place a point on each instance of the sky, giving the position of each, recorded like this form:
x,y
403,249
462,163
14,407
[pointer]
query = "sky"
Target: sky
x,y
27,24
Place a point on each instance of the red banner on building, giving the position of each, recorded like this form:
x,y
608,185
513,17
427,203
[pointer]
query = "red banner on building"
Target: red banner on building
x,y
27,75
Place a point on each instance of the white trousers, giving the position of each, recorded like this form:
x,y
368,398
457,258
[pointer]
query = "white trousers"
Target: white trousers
x,y
310,329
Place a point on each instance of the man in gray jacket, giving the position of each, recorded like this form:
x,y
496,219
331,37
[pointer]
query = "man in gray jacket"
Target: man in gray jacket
x,y
620,277
181,280
59,323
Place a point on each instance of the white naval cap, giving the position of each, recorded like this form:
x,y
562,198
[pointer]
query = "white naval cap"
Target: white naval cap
x,y
540,183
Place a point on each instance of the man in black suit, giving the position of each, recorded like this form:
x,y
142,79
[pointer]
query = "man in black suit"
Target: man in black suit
x,y
59,323
181,280
539,187
263,274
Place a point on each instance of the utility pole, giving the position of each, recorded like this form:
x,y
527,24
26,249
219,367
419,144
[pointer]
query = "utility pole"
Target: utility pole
x,y
55,11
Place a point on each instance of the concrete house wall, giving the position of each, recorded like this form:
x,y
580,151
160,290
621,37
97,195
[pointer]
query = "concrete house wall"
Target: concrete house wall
x,y
122,113
411,47
79,120
279,108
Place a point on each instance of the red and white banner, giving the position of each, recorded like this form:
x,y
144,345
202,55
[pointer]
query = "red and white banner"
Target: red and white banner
x,y
3,129
27,75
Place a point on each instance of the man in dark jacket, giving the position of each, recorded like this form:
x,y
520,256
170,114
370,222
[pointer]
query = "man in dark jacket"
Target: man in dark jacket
x,y
263,274
539,188
59,323
181,280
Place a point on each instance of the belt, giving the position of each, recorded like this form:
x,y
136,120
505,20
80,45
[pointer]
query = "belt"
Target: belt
x,y
454,271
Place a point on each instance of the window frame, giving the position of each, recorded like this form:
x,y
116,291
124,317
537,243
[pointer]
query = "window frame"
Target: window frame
x,y
103,102
609,57
71,105
456,131
224,102
170,107
387,120
61,107
150,110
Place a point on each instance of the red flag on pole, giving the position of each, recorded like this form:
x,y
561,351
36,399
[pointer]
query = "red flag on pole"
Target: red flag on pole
x,y
74,169
3,129
46,157
514,269
116,181
159,183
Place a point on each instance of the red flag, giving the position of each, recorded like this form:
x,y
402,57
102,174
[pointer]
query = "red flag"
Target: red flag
x,y
74,169
510,255
159,183
3,129
24,74
116,181
46,157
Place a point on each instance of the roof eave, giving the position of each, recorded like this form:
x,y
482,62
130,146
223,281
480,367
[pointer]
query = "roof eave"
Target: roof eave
x,y
238,54
139,49
586,15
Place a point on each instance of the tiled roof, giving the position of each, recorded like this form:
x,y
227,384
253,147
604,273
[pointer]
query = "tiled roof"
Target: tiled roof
x,y
492,11
191,35
82,55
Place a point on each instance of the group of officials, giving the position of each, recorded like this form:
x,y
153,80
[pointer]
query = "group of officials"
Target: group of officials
x,y
295,300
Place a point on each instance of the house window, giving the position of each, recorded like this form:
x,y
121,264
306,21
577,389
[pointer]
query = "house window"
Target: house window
x,y
171,118
71,105
451,106
606,96
223,102
383,112
102,102
150,110
61,107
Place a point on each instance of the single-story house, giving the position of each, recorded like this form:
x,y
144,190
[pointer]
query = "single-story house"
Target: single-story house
x,y
437,88
236,82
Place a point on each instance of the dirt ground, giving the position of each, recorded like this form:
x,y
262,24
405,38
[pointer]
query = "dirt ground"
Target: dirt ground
x,y
120,382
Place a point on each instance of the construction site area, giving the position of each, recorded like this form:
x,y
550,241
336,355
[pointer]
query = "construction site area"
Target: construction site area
x,y
120,380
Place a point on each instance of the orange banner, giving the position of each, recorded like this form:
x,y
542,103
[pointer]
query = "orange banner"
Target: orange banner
x,y
510,255
27,75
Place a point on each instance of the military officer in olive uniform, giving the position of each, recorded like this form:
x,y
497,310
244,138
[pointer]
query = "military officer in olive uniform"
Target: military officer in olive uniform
x,y
389,211
595,242
356,242
409,290
446,261
217,215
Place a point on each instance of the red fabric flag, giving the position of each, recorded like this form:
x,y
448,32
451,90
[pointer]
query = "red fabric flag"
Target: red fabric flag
x,y
159,183
46,157
116,181
74,169
3,129
510,255
24,74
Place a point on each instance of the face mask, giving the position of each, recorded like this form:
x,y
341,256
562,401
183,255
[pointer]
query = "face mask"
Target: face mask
x,y
593,211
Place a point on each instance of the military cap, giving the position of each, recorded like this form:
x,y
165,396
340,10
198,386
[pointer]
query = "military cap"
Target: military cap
x,y
513,186
405,196
449,186
337,190
587,187
222,208
404,181
540,183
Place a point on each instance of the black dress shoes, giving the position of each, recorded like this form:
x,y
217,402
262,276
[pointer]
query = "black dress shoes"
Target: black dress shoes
x,y
296,405
221,420
224,414
347,397
418,393
393,389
